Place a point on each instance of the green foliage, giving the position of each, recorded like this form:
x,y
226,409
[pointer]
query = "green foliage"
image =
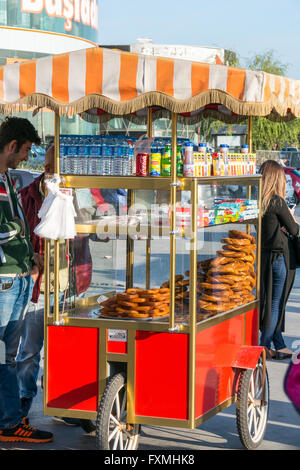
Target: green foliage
x,y
207,126
269,135
266,62
231,59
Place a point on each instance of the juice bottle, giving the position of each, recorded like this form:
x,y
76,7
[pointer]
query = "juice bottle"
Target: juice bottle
x,y
245,164
209,165
179,161
202,165
188,165
196,163
166,161
234,173
222,165
216,164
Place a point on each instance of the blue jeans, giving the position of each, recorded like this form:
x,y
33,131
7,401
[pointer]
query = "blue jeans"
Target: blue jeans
x,y
279,278
32,340
15,295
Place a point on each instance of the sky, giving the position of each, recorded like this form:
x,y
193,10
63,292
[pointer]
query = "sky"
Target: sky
x,y
247,28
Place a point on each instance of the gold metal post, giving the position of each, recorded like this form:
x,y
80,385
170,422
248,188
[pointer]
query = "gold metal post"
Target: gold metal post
x,y
129,245
148,241
193,302
258,242
173,222
250,144
249,192
56,242
47,279
250,134
46,316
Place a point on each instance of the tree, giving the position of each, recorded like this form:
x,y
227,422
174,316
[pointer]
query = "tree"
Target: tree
x,y
268,135
266,62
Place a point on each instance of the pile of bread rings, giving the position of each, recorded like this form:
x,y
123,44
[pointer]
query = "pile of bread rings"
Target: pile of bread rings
x,y
227,281
138,303
181,287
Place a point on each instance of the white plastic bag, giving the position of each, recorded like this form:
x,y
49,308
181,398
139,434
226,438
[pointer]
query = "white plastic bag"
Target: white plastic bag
x,y
57,213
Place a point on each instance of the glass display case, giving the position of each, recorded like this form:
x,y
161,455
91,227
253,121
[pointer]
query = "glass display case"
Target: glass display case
x,y
121,262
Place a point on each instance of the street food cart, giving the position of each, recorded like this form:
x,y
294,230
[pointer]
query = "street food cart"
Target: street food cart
x,y
175,341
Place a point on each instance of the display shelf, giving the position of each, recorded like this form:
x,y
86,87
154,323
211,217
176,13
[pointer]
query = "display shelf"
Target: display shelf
x,y
117,182
87,313
153,182
160,230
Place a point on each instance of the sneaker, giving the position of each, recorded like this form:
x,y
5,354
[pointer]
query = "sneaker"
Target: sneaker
x,y
25,433
67,421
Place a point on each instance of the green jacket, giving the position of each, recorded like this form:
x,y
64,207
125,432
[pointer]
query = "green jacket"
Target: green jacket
x,y
16,252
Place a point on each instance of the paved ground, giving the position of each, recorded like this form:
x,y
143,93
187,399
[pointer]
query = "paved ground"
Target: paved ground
x,y
218,433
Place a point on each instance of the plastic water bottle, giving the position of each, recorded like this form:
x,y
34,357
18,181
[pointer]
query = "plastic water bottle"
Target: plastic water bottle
x,y
125,159
82,154
94,156
62,153
72,155
106,166
132,168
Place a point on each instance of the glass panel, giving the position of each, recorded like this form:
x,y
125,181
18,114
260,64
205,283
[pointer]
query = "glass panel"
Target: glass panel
x,y
226,252
128,246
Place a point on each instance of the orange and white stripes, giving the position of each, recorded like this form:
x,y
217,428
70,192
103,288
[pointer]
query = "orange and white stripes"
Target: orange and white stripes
x,y
121,77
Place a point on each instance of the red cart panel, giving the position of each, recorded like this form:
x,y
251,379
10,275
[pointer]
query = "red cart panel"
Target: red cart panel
x,y
162,375
252,327
73,368
214,360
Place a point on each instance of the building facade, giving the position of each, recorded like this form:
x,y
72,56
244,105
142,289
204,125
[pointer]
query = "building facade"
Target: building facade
x,y
30,29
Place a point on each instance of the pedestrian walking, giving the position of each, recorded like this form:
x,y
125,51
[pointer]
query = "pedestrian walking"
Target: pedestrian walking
x,y
277,259
18,273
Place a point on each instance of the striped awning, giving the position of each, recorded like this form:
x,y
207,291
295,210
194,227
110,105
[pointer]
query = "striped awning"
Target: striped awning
x,y
122,83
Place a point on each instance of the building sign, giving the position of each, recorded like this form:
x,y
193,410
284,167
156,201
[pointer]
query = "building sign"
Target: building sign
x,y
192,53
76,15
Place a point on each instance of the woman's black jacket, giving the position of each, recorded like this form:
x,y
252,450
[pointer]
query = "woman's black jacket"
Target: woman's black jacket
x,y
273,244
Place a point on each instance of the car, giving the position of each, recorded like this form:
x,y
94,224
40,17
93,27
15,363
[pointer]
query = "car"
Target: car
x,y
290,198
295,176
23,178
290,149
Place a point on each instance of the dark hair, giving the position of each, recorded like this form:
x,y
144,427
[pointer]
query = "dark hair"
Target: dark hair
x,y
19,129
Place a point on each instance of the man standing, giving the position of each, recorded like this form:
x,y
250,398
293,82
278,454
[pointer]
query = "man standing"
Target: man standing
x,y
32,336
18,273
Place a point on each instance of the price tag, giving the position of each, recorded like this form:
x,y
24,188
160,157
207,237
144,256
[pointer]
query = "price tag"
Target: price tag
x,y
101,299
117,335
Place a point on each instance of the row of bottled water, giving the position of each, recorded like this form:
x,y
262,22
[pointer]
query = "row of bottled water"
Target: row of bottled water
x,y
96,155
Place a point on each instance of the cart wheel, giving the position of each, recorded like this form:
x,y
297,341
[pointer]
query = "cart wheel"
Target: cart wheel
x,y
88,425
112,430
252,406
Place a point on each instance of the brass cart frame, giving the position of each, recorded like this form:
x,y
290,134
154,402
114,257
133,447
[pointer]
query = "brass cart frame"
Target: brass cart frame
x,y
133,183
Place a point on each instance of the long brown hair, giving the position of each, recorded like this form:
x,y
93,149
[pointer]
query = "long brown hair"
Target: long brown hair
x,y
273,182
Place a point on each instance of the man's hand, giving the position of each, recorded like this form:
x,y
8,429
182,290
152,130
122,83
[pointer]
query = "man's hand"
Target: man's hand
x,y
34,273
39,261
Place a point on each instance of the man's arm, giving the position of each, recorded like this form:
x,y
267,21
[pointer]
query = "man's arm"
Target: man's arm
x,y
9,230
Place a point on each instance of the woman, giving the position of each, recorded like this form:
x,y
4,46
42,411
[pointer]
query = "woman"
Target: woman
x,y
277,259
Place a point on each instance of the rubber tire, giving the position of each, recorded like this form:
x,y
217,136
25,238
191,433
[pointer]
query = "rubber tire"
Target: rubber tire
x,y
88,425
241,410
296,200
102,423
